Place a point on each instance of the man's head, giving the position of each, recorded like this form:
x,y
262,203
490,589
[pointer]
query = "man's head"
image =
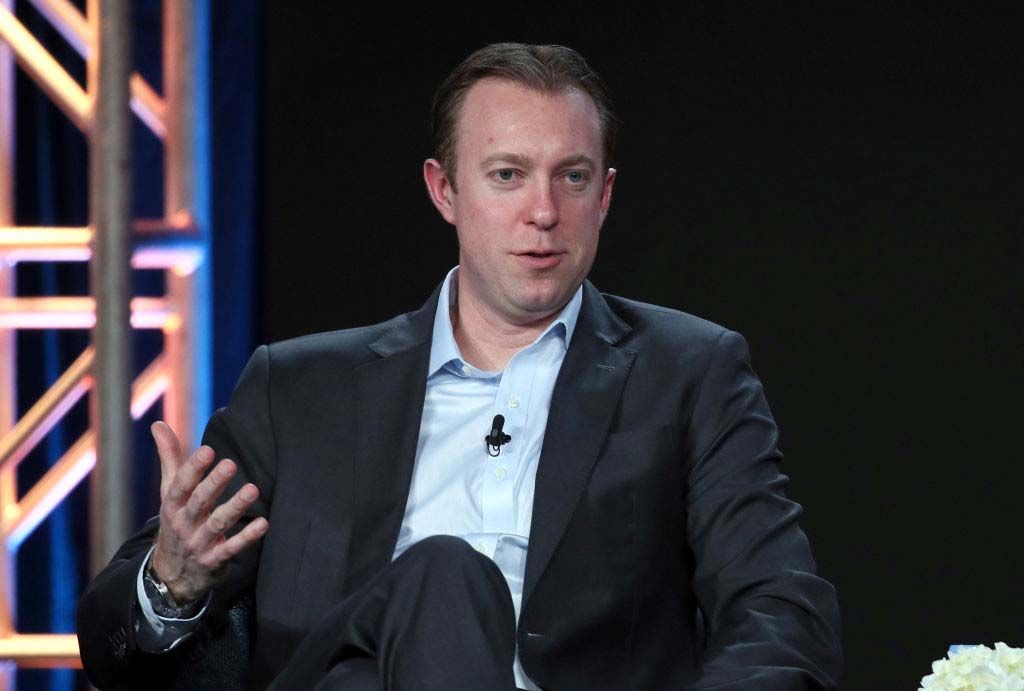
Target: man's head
x,y
534,186
547,69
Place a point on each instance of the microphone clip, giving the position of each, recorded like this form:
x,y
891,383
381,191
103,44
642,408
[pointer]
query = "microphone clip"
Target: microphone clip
x,y
496,438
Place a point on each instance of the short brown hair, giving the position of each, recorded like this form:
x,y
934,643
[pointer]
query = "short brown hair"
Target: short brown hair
x,y
546,68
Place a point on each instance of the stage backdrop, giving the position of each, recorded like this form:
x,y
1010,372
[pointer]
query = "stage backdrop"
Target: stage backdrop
x,y
52,189
838,187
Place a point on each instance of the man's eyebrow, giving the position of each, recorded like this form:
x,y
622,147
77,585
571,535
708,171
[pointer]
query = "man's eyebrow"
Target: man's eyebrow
x,y
524,162
514,159
578,159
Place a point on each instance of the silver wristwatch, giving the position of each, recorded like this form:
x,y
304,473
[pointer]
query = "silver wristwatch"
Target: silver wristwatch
x,y
161,600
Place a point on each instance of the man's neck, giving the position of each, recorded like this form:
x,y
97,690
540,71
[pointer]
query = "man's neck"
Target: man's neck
x,y
487,342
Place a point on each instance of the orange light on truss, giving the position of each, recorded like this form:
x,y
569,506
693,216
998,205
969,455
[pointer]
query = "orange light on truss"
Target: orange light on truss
x,y
56,244
147,105
41,650
47,72
50,490
149,386
76,313
21,518
46,412
70,22
44,243
73,26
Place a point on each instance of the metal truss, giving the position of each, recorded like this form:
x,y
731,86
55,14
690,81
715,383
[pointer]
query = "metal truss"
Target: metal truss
x,y
177,244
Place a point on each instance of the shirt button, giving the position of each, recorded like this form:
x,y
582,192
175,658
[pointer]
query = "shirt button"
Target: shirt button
x,y
501,472
513,402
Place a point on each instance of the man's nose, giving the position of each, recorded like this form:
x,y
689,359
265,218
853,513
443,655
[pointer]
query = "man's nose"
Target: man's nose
x,y
543,211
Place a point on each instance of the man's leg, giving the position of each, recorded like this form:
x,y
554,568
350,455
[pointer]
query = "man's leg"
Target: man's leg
x,y
438,617
352,675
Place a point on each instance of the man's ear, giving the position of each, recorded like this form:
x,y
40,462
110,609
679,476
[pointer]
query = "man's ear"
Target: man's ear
x,y
439,188
606,192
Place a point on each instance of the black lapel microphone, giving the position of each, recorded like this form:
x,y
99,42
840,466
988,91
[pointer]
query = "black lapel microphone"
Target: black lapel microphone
x,y
496,438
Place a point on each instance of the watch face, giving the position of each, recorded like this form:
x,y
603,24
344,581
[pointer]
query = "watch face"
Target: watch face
x,y
162,604
152,580
158,596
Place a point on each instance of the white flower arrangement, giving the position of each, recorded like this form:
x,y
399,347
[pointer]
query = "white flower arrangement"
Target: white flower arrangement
x,y
977,668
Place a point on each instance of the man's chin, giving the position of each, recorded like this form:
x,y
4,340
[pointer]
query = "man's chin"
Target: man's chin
x,y
538,307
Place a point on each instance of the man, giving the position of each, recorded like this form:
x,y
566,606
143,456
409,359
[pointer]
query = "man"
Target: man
x,y
626,516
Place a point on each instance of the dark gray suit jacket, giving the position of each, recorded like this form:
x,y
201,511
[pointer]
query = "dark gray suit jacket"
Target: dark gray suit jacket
x,y
663,551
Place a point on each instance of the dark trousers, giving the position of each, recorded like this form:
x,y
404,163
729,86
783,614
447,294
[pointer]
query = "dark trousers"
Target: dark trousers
x,y
438,617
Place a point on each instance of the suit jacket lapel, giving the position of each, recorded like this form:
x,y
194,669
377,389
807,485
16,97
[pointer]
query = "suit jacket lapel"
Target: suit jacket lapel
x,y
389,405
583,403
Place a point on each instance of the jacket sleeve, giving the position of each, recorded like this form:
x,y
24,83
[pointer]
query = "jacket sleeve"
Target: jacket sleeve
x,y
771,623
108,609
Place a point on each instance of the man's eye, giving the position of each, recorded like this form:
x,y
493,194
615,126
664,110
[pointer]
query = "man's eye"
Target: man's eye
x,y
576,176
505,174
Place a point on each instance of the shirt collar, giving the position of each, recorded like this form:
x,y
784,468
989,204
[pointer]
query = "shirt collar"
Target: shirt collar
x,y
444,349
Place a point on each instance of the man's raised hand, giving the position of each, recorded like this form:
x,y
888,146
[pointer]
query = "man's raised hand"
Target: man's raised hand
x,y
191,547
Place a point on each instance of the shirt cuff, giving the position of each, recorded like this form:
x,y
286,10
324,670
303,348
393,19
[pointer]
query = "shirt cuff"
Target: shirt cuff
x,y
156,634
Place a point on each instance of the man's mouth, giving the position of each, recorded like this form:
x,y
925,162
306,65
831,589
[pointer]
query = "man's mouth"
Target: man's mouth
x,y
540,259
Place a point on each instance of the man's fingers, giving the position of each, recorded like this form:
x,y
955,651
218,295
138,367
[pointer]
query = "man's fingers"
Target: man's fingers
x,y
247,536
187,477
168,448
226,515
205,494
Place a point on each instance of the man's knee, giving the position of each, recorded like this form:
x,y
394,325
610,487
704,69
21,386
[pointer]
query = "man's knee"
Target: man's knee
x,y
446,550
445,555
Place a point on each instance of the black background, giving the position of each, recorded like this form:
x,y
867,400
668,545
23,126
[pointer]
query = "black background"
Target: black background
x,y
839,185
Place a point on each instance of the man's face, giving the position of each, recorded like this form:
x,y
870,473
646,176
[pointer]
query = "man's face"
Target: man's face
x,y
532,195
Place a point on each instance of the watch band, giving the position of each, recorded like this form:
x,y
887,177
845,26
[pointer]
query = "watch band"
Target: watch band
x,y
161,600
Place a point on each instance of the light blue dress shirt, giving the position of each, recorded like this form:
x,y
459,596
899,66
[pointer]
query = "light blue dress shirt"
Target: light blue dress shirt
x,y
457,487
